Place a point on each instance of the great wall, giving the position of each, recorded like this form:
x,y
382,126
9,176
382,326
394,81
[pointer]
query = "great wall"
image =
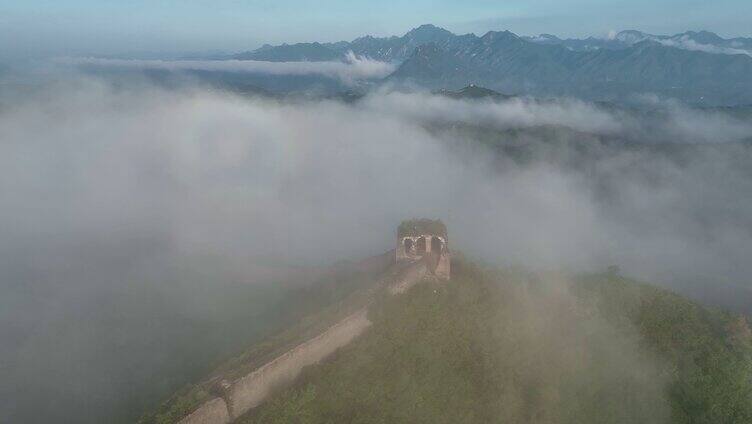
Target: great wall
x,y
421,253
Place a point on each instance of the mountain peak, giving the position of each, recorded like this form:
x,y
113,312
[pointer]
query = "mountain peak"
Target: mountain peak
x,y
704,37
427,33
499,35
427,27
549,37
630,36
472,91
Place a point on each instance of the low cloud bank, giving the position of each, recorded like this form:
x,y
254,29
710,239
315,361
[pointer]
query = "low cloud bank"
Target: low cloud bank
x,y
686,43
513,113
220,173
105,190
681,41
352,69
211,171
654,120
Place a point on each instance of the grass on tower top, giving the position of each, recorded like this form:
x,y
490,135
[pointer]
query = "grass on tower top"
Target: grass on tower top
x,y
418,227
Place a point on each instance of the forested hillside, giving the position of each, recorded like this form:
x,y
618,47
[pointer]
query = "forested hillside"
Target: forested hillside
x,y
506,346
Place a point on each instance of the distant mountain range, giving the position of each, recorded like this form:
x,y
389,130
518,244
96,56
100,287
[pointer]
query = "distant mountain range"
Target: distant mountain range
x,y
397,49
699,67
691,40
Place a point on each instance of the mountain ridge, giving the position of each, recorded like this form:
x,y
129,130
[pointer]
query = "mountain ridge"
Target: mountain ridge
x,y
494,342
629,63
397,48
462,352
688,40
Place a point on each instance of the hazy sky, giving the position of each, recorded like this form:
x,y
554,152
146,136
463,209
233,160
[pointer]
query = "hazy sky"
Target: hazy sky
x,y
64,27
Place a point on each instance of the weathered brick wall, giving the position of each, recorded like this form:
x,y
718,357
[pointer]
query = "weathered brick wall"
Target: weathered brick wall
x,y
409,277
442,270
438,256
214,411
249,391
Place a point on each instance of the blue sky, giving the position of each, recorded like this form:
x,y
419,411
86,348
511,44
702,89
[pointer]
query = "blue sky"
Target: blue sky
x,y
72,27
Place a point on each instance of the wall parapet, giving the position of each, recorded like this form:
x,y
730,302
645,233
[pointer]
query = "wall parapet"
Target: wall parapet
x,y
249,391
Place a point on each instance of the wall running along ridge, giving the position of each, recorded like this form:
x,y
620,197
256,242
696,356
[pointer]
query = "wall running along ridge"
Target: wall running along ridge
x,y
249,391
409,277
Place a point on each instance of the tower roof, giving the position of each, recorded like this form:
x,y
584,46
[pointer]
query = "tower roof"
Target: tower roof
x,y
422,226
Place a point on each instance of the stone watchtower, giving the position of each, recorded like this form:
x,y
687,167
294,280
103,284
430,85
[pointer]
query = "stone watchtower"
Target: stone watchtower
x,y
424,239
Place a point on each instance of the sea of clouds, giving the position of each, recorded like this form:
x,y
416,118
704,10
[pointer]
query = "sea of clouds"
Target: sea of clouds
x,y
105,187
350,70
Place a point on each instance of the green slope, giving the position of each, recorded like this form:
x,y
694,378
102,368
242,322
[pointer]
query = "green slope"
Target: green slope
x,y
499,346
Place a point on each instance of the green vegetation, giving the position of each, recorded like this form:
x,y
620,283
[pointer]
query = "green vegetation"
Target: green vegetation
x,y
417,227
508,347
708,353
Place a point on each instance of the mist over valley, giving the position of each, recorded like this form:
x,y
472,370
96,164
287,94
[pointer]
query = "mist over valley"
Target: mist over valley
x,y
169,222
